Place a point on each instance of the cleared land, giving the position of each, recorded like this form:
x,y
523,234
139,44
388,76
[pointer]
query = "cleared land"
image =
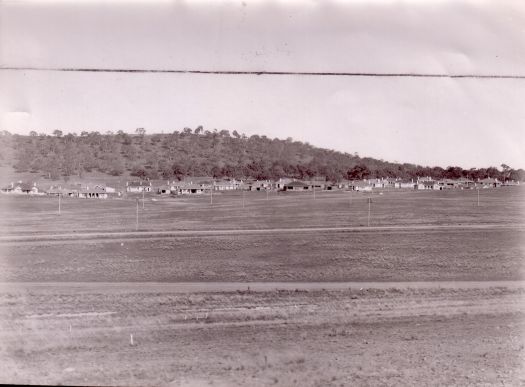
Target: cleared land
x,y
369,337
69,303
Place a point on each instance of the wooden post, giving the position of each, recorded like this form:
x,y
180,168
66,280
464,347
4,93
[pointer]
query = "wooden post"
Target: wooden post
x,y
478,197
243,198
267,193
143,197
137,216
211,195
369,203
59,207
314,190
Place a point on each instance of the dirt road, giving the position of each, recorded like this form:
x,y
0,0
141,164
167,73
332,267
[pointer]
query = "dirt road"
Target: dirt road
x,y
261,231
215,287
397,336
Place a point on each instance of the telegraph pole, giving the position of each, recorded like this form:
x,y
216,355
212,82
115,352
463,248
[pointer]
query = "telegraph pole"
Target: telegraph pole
x,y
369,204
137,217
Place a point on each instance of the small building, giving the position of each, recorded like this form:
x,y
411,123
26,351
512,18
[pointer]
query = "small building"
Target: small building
x,y
258,185
279,184
192,189
64,192
360,185
92,193
427,185
21,188
489,183
296,186
139,186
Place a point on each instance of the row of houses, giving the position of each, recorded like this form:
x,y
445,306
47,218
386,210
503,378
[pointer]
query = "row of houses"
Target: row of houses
x,y
196,186
77,191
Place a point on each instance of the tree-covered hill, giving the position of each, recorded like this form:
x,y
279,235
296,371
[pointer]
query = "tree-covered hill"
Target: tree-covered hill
x,y
202,152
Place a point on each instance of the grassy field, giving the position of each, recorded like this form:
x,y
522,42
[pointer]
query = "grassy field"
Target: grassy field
x,y
62,334
31,215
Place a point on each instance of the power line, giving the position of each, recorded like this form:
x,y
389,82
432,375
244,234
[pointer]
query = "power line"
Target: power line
x,y
271,73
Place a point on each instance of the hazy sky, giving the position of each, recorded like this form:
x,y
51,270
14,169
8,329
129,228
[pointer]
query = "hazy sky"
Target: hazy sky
x,y
430,121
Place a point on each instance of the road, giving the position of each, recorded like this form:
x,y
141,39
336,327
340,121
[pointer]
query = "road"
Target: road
x,y
214,287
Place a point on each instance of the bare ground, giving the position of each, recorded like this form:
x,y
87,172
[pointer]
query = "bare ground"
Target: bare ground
x,y
395,336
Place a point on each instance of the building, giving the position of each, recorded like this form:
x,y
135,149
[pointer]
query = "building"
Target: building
x,y
139,186
92,193
488,183
191,189
296,186
21,188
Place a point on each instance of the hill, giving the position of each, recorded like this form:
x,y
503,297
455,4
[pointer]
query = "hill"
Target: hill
x,y
202,152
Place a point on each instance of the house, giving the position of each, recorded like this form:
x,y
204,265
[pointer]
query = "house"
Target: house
x,y
360,185
466,184
226,185
164,190
279,184
296,186
404,184
426,185
64,192
447,184
92,193
257,185
21,189
489,183
192,189
139,186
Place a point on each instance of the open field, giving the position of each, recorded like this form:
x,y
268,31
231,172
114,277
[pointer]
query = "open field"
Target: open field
x,y
395,336
197,287
32,215
486,254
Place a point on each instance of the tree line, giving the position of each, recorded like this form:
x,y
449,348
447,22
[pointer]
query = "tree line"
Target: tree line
x,y
199,152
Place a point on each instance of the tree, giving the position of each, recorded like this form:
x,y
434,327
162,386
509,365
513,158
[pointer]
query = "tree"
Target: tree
x,y
33,133
57,133
140,131
506,171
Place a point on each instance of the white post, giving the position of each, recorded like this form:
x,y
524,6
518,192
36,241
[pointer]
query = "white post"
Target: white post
x,y
478,197
143,198
267,193
131,339
243,198
59,207
211,195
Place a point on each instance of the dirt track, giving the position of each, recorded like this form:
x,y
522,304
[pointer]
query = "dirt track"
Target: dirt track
x,y
214,287
397,336
174,233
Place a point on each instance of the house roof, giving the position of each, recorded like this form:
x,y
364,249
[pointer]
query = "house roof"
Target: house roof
x,y
138,183
296,183
92,190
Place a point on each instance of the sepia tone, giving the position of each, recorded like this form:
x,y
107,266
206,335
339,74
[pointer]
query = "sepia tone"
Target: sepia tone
x,y
252,194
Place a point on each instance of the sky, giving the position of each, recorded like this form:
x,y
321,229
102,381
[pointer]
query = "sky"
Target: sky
x,y
470,122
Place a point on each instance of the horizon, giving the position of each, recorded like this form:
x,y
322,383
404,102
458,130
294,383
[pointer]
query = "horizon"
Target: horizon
x,y
468,122
133,133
